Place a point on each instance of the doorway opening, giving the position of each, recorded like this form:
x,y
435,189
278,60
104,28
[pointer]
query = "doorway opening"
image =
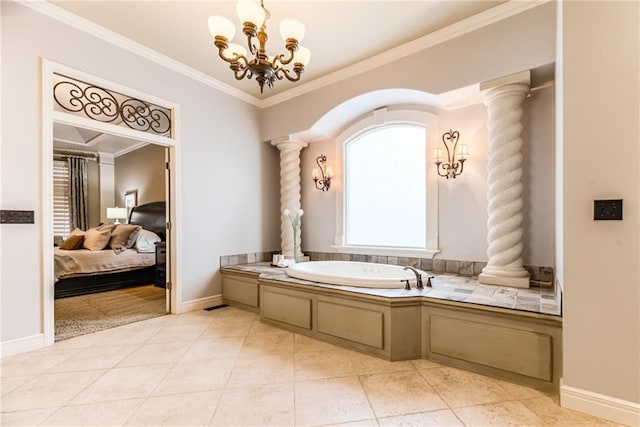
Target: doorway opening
x,y
129,205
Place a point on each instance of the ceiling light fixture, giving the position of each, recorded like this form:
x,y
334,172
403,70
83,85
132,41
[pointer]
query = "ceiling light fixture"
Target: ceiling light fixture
x,y
267,69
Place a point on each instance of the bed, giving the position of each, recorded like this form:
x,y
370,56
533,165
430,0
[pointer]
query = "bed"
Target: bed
x,y
75,270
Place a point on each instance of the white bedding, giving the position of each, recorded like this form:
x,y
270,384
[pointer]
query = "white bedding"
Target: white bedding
x,y
84,262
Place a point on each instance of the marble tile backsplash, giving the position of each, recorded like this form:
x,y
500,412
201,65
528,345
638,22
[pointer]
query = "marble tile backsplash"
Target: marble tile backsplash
x,y
539,276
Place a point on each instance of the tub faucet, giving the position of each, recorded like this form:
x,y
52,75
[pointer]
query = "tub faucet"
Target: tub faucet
x,y
419,284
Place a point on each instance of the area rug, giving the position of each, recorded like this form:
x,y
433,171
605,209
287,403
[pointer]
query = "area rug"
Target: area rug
x,y
85,314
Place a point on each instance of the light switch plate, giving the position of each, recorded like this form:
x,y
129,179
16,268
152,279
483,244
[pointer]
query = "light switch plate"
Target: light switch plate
x,y
607,210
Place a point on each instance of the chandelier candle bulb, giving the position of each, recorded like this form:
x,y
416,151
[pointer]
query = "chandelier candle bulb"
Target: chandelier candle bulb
x,y
255,61
329,172
250,11
462,153
315,174
437,155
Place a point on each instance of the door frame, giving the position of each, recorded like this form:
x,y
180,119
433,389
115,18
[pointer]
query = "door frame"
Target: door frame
x,y
49,116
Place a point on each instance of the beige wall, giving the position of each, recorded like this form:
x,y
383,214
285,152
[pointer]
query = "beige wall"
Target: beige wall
x,y
141,170
601,140
469,59
477,56
462,218
227,199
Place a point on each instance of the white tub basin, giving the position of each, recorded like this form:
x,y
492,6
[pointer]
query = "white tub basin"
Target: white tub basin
x,y
351,273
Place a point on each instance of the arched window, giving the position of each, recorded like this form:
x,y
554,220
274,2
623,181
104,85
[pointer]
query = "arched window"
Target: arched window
x,y
388,204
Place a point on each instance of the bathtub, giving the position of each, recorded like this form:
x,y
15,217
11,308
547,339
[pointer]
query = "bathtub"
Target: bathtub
x,y
350,273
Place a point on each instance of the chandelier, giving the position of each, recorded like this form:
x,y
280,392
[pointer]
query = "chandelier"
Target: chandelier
x,y
266,69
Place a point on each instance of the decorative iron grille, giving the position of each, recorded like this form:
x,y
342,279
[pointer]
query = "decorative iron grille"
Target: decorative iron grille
x,y
108,106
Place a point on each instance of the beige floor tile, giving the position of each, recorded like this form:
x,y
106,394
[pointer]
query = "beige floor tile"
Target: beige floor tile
x,y
511,413
128,336
25,418
442,418
518,392
425,364
214,348
400,393
331,401
174,333
323,364
548,408
304,344
49,390
264,370
220,328
262,345
123,383
81,341
195,375
96,414
362,423
270,405
33,363
95,358
190,409
8,384
259,328
157,354
365,364
461,388
232,313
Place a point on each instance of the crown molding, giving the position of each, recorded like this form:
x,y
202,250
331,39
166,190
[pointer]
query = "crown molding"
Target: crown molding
x,y
488,17
475,22
136,48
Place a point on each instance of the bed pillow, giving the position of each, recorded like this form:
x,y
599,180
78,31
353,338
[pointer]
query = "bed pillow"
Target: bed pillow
x,y
124,237
109,226
146,241
73,241
96,240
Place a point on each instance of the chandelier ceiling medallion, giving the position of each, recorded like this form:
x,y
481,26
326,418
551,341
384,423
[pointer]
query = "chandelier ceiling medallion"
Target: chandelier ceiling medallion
x,y
266,69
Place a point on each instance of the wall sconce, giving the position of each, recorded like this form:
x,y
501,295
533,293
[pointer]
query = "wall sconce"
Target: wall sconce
x,y
456,155
117,214
322,174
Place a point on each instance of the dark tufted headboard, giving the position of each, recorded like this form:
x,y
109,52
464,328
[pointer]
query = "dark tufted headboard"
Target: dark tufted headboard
x,y
150,216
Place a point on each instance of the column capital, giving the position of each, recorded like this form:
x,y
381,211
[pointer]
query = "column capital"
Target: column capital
x,y
523,77
289,143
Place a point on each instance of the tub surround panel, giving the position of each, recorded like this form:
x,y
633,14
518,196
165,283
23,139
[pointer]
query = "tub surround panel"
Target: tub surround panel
x,y
241,289
291,308
352,323
481,343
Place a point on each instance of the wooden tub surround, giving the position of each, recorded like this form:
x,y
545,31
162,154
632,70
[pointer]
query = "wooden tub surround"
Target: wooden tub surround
x,y
524,347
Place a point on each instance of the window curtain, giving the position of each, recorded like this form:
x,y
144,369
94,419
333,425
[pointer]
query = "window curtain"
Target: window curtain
x,y
78,192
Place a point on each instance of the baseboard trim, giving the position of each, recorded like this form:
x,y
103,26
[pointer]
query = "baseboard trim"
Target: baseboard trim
x,y
21,345
201,303
600,405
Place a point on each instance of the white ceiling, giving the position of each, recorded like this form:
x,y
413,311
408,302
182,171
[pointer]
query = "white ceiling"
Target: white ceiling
x,y
339,33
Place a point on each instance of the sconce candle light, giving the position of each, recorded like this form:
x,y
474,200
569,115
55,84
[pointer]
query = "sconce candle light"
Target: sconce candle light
x,y
322,174
452,165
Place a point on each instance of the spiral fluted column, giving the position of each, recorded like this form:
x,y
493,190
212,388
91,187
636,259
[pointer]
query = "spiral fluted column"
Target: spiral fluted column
x,y
504,99
289,190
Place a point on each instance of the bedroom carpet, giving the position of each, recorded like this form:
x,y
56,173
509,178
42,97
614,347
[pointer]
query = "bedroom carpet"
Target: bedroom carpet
x,y
85,314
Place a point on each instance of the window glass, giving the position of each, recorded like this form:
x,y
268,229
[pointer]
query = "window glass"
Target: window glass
x,y
385,187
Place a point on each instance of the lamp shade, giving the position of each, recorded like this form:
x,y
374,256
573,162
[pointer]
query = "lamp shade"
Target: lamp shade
x,y
234,49
250,11
292,29
462,153
116,213
302,56
221,26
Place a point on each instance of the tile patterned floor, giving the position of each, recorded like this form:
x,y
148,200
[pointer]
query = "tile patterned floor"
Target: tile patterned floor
x,y
226,368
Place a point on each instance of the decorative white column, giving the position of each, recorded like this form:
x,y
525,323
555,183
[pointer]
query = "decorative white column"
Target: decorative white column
x,y
289,190
504,98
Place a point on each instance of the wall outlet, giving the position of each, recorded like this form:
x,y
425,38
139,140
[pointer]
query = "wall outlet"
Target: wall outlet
x,y
604,210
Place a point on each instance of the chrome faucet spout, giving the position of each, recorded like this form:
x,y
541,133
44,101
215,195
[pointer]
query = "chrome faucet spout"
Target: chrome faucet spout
x,y
419,284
